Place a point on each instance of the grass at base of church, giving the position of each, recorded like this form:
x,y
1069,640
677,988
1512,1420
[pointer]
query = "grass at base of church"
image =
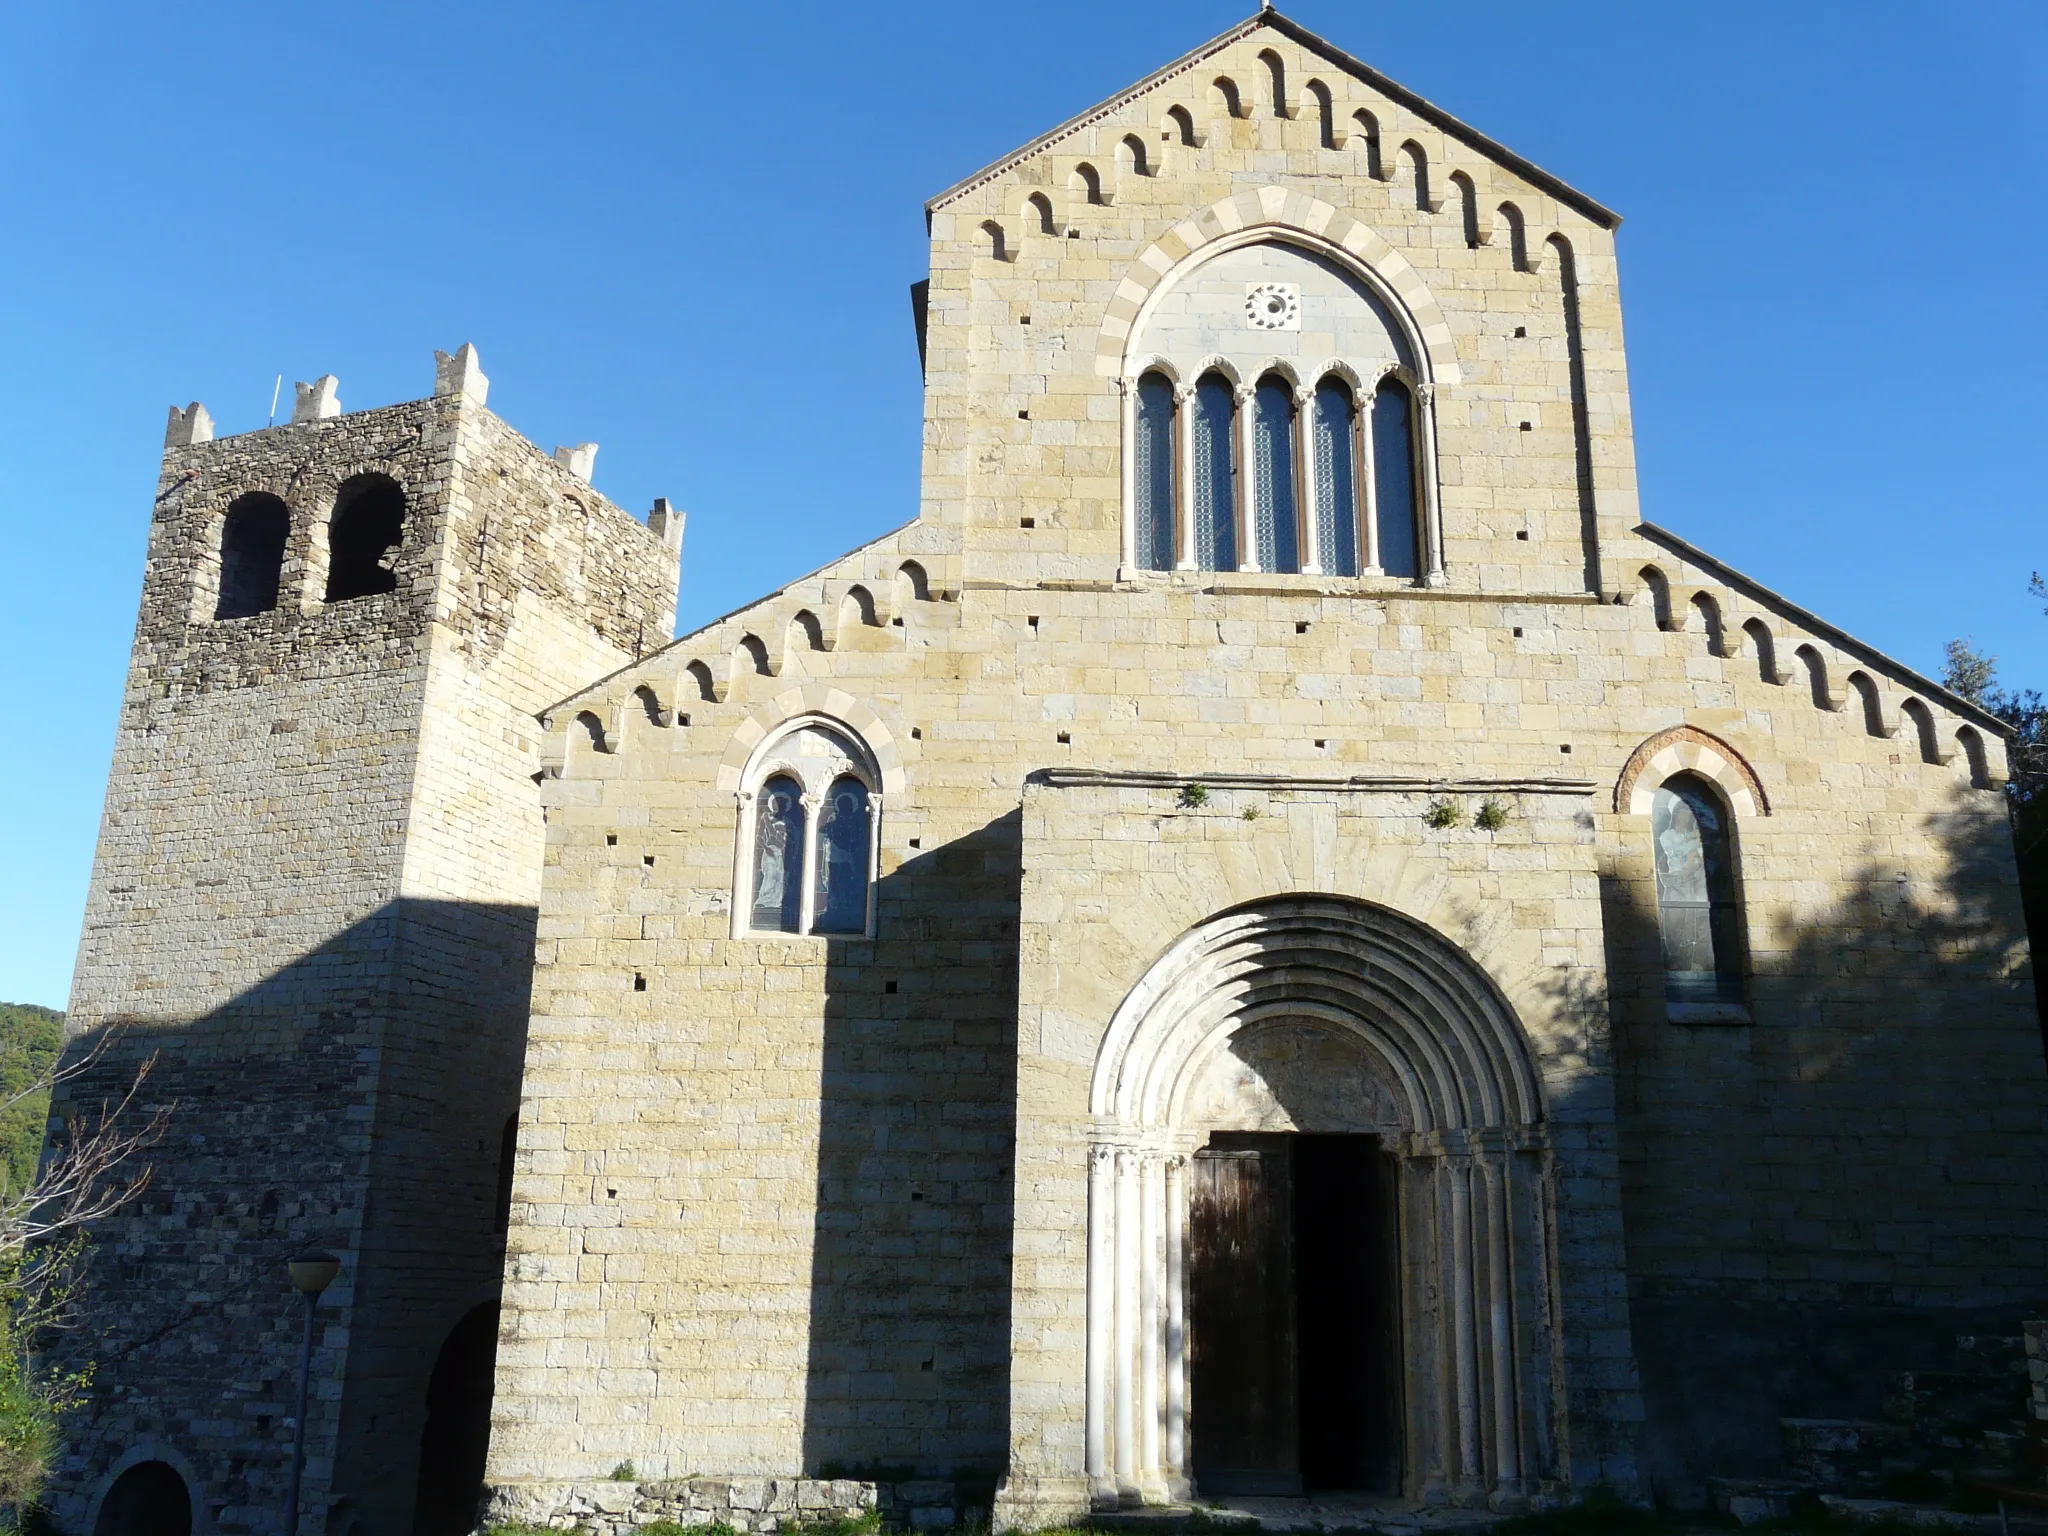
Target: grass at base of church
x,y
1597,1516
866,1525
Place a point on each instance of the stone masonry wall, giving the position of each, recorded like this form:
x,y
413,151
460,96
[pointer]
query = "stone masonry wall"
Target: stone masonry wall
x,y
764,1190
1112,871
275,912
1022,434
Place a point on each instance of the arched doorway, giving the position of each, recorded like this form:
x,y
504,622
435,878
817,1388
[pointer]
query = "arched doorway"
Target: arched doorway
x,y
149,1499
1305,1098
458,1429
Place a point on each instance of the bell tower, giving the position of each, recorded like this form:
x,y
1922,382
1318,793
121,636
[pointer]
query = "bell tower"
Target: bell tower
x,y
313,902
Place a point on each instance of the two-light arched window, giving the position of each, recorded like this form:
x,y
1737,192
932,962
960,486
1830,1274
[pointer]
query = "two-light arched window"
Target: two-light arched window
x,y
1698,913
1334,486
364,535
807,836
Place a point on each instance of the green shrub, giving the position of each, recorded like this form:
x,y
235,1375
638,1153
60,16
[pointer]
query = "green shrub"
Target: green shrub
x,y
1194,796
1492,816
1444,813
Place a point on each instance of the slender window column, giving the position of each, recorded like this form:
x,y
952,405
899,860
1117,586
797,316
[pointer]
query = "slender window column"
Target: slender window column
x,y
1309,541
1368,488
1126,1347
874,857
1507,1460
1247,459
1152,1203
1432,502
743,865
1176,1321
1464,1343
808,899
1184,488
1101,1283
1127,558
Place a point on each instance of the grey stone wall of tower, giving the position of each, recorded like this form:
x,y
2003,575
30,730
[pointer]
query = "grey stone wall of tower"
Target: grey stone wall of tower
x,y
314,904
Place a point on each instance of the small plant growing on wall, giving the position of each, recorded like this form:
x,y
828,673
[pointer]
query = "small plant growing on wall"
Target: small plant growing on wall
x,y
1194,796
1492,816
1250,813
1444,813
625,1472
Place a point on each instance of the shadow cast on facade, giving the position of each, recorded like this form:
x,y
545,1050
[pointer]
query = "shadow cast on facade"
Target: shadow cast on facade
x,y
354,1099
1812,1200
909,1344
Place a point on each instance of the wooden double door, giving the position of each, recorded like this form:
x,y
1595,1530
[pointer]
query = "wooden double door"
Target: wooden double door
x,y
1293,1315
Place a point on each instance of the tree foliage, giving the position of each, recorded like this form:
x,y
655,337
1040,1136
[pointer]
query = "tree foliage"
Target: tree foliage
x,y
52,1190
30,1038
1974,675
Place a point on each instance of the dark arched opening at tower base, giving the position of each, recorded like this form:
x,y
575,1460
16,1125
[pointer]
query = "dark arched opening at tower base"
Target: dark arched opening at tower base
x,y
458,1428
149,1499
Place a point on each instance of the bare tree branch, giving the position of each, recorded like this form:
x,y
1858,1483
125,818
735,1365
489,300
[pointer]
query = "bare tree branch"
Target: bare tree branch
x,y
79,1183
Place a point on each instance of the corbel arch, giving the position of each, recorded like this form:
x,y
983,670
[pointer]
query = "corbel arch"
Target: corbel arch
x,y
1688,749
1277,213
1877,720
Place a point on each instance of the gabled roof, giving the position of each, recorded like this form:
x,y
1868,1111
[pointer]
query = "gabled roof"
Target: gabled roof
x,y
1287,27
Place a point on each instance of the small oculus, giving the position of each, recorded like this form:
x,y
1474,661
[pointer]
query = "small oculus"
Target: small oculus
x,y
1272,306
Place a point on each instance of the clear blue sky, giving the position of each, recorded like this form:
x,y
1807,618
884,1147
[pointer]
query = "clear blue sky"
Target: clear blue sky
x,y
687,231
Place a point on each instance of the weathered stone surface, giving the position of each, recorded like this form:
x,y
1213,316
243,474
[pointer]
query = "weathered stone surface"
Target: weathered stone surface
x,y
800,1203
314,901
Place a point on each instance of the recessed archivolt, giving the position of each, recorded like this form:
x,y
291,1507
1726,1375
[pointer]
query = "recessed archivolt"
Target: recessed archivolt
x,y
1420,1007
1688,749
1277,213
828,705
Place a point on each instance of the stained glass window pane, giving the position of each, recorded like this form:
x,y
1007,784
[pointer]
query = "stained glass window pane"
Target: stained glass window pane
x,y
1695,895
1336,449
1215,475
1275,523
841,901
1154,473
778,856
1394,478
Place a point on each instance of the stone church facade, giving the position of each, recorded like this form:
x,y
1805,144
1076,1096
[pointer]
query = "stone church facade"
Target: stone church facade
x,y
1278,935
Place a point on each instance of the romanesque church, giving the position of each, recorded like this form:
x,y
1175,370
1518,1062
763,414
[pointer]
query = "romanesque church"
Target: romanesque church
x,y
1278,937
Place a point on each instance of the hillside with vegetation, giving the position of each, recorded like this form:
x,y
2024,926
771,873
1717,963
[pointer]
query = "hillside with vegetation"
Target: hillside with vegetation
x,y
30,1038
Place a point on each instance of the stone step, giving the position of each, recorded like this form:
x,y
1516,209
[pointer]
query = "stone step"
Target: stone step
x,y
1755,1501
1991,1352
1846,1455
1894,1513
1951,1401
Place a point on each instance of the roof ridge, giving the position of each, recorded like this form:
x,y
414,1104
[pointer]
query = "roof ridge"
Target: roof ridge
x,y
1287,26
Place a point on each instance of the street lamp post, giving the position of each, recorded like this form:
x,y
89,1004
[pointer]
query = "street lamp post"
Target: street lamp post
x,y
312,1272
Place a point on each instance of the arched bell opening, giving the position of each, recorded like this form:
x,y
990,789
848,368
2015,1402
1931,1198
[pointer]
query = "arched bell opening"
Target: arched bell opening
x,y
1319,1220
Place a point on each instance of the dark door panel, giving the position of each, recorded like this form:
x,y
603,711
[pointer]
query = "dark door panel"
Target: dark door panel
x,y
1244,1389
